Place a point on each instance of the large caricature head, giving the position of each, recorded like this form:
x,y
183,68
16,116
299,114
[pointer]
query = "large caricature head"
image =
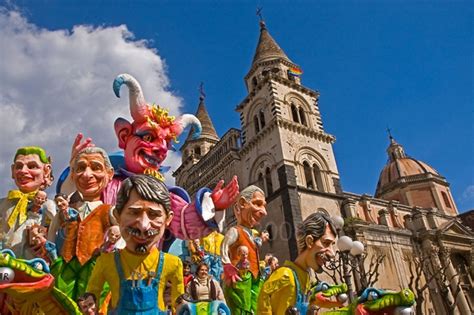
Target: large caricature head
x,y
31,169
316,237
250,206
148,138
91,172
143,211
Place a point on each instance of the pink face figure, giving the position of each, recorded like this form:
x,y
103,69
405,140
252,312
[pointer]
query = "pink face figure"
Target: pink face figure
x,y
91,175
113,234
142,223
29,173
40,198
252,211
144,147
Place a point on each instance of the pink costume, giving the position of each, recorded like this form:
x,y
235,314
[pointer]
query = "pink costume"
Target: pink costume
x,y
146,142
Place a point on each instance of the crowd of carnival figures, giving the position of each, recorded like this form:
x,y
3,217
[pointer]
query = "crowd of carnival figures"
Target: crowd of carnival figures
x,y
104,243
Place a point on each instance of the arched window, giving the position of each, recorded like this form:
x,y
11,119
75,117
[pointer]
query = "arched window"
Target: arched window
x,y
308,175
268,181
254,81
294,113
446,199
262,119
302,116
318,177
256,125
260,182
197,151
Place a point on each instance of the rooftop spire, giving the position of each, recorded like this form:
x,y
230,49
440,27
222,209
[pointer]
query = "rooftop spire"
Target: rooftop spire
x,y
267,48
208,130
395,151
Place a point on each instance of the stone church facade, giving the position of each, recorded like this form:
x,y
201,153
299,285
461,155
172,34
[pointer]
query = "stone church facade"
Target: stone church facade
x,y
282,147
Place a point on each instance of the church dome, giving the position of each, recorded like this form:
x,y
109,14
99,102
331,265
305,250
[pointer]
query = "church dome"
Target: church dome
x,y
402,169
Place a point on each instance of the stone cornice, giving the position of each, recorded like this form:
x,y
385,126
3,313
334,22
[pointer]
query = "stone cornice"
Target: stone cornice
x,y
200,139
257,65
412,179
277,78
290,126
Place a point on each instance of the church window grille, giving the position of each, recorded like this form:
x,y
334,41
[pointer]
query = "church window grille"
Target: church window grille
x,y
260,181
262,119
302,116
268,181
197,151
308,175
318,177
294,113
256,124
446,199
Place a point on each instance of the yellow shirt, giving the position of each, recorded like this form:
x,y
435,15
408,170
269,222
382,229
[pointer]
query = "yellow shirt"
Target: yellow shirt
x,y
212,243
279,290
106,271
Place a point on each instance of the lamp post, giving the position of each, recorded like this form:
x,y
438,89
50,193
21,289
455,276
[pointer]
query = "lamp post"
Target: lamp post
x,y
347,256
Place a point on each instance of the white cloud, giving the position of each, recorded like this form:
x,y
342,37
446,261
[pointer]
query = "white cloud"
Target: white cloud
x,y
55,84
468,193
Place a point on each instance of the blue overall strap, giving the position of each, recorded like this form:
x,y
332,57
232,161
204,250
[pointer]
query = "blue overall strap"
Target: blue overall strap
x,y
159,268
299,294
118,265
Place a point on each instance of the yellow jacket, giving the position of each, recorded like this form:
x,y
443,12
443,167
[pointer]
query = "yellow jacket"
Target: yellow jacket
x,y
106,271
279,290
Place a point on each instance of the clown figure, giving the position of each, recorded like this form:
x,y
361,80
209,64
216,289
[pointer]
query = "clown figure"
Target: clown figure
x,y
31,172
145,142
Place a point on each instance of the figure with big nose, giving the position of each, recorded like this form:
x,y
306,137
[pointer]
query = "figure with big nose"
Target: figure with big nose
x,y
241,290
138,274
32,173
91,171
287,290
145,143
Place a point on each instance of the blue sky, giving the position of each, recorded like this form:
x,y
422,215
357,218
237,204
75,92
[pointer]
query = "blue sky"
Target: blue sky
x,y
407,65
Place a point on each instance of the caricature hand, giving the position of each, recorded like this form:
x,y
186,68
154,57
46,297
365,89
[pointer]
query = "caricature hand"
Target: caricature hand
x,y
231,274
223,198
77,146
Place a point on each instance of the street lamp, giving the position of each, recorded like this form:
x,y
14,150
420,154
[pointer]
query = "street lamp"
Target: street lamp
x,y
348,254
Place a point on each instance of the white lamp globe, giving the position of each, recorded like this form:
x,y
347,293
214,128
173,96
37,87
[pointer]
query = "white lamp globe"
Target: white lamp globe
x,y
344,243
338,222
357,248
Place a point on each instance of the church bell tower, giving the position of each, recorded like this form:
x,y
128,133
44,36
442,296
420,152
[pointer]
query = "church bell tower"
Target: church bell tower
x,y
285,149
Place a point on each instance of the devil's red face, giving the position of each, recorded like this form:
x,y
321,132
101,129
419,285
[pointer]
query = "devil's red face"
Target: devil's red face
x,y
146,147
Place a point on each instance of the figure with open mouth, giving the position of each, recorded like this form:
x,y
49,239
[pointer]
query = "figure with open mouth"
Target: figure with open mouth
x,y
31,172
288,287
138,274
91,171
145,143
241,290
